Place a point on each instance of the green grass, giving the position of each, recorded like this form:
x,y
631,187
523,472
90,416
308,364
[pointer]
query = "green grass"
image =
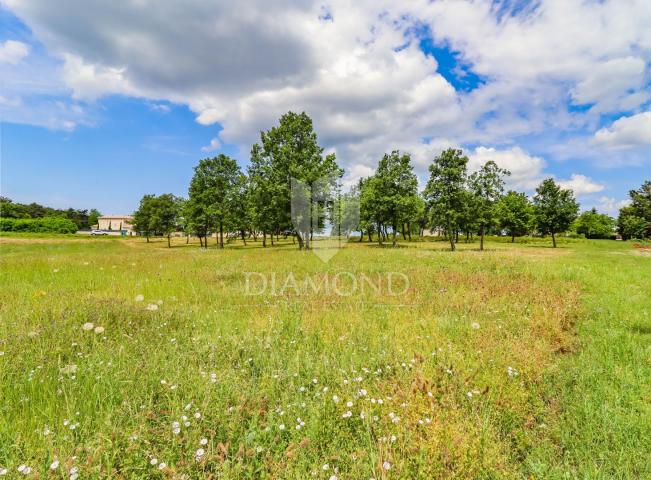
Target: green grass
x,y
520,361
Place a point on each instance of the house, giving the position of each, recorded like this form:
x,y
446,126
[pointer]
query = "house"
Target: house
x,y
116,224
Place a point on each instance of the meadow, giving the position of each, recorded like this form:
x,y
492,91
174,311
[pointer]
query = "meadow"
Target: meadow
x,y
126,359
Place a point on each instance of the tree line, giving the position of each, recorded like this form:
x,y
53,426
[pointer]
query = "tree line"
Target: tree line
x,y
82,219
288,165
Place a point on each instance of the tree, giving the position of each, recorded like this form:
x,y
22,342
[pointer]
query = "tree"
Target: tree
x,y
142,218
635,220
515,214
629,225
165,214
487,186
93,217
555,208
445,191
289,155
212,191
593,224
396,190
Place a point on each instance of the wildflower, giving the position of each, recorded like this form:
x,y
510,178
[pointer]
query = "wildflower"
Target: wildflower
x,y
203,441
199,454
162,466
3,471
140,298
333,477
386,465
197,415
362,393
325,466
56,270
335,398
348,414
349,404
213,378
393,438
152,307
87,326
153,461
314,381
176,428
54,465
99,330
24,469
475,325
281,426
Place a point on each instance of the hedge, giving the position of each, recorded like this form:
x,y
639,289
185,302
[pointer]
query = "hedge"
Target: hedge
x,y
38,225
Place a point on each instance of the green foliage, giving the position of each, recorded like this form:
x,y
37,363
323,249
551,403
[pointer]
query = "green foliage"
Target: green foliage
x,y
445,191
486,185
515,214
593,224
82,218
143,216
555,208
38,225
635,220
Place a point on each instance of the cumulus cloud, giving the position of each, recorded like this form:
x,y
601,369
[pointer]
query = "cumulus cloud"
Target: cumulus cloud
x,y
214,144
526,170
627,132
581,185
611,206
13,51
358,69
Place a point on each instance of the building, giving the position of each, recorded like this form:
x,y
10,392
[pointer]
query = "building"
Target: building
x,y
116,224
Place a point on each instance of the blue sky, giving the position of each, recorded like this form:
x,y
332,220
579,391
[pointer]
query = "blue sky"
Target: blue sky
x,y
100,108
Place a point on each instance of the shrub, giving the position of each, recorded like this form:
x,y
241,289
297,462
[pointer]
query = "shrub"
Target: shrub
x,y
38,225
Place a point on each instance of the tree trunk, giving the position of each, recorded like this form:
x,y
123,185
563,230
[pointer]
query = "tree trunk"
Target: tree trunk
x,y
147,238
221,234
451,237
187,239
243,237
554,239
409,230
481,241
361,235
404,237
370,236
379,233
513,238
300,240
168,241
264,238
395,228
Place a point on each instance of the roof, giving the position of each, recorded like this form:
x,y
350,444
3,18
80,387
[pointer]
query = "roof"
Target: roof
x,y
123,217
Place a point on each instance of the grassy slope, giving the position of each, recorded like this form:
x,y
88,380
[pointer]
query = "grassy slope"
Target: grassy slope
x,y
564,414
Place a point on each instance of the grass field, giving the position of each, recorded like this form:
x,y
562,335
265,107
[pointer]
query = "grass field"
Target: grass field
x,y
522,361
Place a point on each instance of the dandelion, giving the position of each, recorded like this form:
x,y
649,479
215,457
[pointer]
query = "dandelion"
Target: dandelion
x,y
349,404
386,465
348,414
140,298
325,467
99,330
213,378
203,441
333,477
153,461
335,398
152,307
362,393
87,326
24,469
199,454
3,471
281,426
176,428
197,415
393,439
475,325
54,465
162,466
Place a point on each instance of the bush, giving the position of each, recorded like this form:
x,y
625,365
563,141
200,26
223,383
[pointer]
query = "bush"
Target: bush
x,y
38,225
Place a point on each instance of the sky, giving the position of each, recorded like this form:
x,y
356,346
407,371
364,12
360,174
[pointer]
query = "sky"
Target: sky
x,y
102,102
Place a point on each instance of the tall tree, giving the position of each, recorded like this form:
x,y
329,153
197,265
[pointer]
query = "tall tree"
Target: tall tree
x,y
143,216
515,214
396,190
635,220
487,185
556,208
289,155
165,214
212,189
444,191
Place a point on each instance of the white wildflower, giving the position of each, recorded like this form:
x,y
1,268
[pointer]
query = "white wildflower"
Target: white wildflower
x,y
87,326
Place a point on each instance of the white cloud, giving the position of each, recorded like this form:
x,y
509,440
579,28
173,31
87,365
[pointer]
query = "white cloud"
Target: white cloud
x,y
360,74
526,170
215,144
13,51
627,132
581,185
611,206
